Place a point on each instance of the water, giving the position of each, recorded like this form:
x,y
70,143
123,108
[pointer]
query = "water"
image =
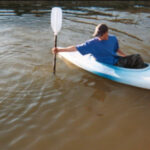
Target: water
x,y
75,109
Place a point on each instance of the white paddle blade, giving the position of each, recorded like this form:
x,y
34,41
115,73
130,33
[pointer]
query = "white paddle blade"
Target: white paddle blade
x,y
56,19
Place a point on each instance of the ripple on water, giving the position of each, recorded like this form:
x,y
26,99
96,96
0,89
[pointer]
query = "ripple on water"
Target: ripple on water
x,y
73,110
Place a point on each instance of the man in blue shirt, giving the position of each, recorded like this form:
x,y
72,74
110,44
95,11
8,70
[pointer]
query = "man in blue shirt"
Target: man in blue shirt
x,y
105,49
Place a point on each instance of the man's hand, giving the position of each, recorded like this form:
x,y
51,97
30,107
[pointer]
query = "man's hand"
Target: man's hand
x,y
54,50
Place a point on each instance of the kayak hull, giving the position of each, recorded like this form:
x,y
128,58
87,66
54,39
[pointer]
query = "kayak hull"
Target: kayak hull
x,y
134,77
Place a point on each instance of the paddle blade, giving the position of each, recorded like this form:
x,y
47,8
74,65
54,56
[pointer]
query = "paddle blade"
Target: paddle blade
x,y
56,19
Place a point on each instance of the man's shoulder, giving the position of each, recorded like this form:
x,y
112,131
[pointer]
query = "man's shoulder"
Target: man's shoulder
x,y
92,40
112,37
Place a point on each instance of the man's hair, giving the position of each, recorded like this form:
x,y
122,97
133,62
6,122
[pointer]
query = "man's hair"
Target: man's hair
x,y
100,30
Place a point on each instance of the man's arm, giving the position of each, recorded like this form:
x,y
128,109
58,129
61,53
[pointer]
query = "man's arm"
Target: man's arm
x,y
66,49
120,53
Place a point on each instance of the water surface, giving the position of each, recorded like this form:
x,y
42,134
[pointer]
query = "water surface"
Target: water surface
x,y
75,109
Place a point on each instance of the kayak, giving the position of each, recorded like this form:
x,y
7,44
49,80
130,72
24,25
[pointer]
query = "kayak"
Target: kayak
x,y
134,77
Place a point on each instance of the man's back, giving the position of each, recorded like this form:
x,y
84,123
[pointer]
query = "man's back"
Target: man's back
x,y
103,50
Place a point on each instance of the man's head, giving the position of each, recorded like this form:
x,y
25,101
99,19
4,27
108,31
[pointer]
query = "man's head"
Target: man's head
x,y
101,31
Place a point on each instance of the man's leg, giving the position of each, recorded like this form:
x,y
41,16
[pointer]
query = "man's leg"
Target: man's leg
x,y
131,61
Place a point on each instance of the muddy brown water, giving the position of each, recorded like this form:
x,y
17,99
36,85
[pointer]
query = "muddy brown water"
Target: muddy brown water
x,y
74,110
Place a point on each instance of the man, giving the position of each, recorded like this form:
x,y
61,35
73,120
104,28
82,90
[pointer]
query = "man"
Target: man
x,y
105,49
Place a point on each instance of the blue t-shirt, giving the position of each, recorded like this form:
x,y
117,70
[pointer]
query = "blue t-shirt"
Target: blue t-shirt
x,y
104,51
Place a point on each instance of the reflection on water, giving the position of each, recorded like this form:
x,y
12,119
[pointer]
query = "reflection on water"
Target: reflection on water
x,y
75,109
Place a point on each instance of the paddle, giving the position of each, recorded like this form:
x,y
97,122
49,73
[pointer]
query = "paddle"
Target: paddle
x,y
56,22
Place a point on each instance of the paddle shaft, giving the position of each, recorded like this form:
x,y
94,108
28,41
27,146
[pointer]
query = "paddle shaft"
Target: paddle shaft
x,y
54,63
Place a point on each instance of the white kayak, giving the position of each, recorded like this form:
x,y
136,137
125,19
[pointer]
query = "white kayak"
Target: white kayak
x,y
134,77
